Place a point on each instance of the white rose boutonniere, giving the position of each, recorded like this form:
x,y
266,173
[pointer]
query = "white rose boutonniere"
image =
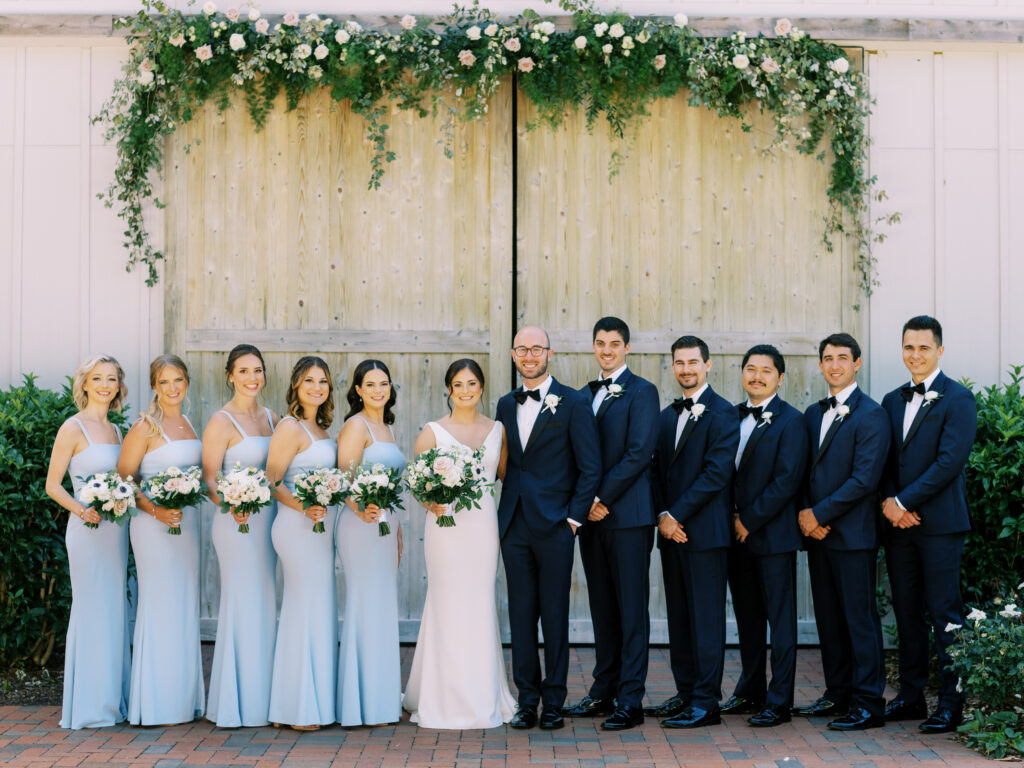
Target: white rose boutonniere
x,y
697,411
614,390
930,397
842,412
766,418
551,403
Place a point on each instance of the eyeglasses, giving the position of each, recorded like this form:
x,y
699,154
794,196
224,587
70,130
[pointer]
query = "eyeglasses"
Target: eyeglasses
x,y
532,351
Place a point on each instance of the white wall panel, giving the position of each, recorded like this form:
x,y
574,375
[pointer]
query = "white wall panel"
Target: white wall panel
x,y
902,84
970,100
1013,318
53,96
7,112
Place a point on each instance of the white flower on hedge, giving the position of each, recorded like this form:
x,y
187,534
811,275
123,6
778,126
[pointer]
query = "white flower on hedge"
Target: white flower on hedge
x,y
316,72
204,53
951,627
408,21
321,52
644,36
236,42
976,615
600,29
1020,586
466,58
491,30
513,44
616,31
740,61
254,14
291,19
145,76
783,27
342,36
840,66
262,26
525,64
473,33
660,61
680,20
302,51
210,8
232,14
627,43
769,65
580,43
1011,611
606,49
354,27
546,28
177,40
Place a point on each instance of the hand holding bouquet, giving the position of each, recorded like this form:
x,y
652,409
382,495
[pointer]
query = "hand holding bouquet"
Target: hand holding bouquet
x,y
175,488
380,486
452,477
243,491
109,496
321,487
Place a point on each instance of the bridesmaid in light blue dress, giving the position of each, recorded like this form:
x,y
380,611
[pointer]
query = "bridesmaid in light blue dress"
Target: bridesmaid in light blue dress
x,y
369,668
243,656
305,656
167,667
96,661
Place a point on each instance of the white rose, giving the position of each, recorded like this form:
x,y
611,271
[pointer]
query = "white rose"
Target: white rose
x,y
408,21
644,36
660,61
204,53
513,44
606,48
263,26
769,65
951,627
616,31
210,8
698,410
321,52
254,14
473,33
1010,612
341,36
783,27
580,43
236,42
600,29
976,615
627,42
680,20
526,65
177,40
354,27
546,28
491,30
740,61
741,36
291,19
232,14
840,66
466,58
302,51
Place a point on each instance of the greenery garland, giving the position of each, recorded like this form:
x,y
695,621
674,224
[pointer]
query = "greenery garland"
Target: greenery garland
x,y
611,65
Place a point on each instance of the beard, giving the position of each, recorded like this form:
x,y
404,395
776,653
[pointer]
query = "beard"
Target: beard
x,y
539,371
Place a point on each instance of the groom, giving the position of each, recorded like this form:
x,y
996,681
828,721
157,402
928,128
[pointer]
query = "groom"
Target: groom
x,y
551,478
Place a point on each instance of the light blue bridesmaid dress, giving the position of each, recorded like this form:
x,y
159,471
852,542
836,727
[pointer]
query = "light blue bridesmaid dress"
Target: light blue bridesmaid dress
x,y
167,664
369,668
97,663
305,656
243,656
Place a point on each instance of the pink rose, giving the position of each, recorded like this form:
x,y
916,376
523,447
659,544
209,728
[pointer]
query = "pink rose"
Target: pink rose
x,y
262,26
466,58
177,41
660,61
204,53
232,14
769,65
408,21
783,27
526,64
291,19
513,44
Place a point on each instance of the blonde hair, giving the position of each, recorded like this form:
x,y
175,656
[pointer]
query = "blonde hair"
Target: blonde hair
x,y
154,414
81,397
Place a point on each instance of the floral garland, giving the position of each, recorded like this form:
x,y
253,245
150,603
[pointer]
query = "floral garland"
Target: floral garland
x,y
613,65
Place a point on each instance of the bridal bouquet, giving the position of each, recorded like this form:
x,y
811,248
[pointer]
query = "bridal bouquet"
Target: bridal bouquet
x,y
450,476
175,488
245,491
378,485
109,495
322,487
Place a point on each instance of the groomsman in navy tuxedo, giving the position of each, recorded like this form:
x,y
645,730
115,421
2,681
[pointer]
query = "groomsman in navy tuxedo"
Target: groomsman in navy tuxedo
x,y
698,435
933,421
771,463
616,542
849,438
551,476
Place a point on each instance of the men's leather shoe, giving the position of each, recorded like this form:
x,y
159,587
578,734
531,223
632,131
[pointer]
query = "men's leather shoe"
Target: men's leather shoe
x,y
943,721
820,707
901,709
737,705
523,718
771,715
623,718
590,707
694,717
668,708
859,719
551,719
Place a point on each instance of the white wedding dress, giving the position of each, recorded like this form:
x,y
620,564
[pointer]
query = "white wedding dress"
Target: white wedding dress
x,y
458,676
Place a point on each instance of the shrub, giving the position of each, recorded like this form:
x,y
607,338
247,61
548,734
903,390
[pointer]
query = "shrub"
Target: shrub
x,y
993,560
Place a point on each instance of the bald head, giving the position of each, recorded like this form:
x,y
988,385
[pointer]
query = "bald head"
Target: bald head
x,y
531,351
531,336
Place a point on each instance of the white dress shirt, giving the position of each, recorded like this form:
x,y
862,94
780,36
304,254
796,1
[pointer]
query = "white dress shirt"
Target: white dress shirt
x,y
602,392
829,416
684,416
747,427
910,413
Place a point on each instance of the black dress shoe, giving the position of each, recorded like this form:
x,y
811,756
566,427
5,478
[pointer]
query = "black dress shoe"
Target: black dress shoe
x,y
551,719
668,708
623,718
943,721
523,718
820,707
737,705
901,709
590,707
694,717
859,719
771,715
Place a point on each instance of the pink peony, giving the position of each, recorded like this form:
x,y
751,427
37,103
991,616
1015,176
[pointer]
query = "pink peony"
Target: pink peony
x,y
526,64
466,58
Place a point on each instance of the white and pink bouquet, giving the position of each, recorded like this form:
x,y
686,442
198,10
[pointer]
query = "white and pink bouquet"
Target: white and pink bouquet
x,y
176,488
378,485
111,497
243,491
324,487
453,477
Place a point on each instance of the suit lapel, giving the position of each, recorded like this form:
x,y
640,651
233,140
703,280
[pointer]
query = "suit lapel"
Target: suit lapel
x,y
544,416
691,424
512,427
622,381
752,441
922,412
896,417
837,423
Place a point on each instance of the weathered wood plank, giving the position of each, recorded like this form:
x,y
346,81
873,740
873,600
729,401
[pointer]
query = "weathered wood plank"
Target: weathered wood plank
x,y
340,340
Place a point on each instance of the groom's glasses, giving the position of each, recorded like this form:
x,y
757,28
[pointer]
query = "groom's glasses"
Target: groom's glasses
x,y
531,351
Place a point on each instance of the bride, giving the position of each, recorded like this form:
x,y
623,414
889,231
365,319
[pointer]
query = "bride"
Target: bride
x,y
458,672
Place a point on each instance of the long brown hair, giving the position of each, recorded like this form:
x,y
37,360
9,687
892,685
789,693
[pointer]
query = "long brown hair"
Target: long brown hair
x,y
325,413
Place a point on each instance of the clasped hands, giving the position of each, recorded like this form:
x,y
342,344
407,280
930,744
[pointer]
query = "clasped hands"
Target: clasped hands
x,y
670,528
899,517
809,525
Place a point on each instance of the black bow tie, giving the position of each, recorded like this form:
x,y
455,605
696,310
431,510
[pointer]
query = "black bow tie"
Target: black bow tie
x,y
596,384
750,410
683,402
908,392
521,394
828,402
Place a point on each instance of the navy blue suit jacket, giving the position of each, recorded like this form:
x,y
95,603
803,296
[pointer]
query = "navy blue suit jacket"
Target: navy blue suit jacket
x,y
693,481
770,479
845,472
628,427
926,471
556,476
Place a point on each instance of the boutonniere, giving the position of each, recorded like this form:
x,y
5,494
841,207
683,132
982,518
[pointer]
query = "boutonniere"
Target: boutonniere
x,y
766,418
551,403
842,412
930,397
697,411
614,390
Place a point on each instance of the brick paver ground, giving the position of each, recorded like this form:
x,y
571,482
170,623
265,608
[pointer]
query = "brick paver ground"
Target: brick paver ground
x,y
31,738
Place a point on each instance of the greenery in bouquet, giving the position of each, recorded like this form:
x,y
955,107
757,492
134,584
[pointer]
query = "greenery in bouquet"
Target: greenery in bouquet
x,y
176,488
323,487
378,485
112,498
451,477
243,491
